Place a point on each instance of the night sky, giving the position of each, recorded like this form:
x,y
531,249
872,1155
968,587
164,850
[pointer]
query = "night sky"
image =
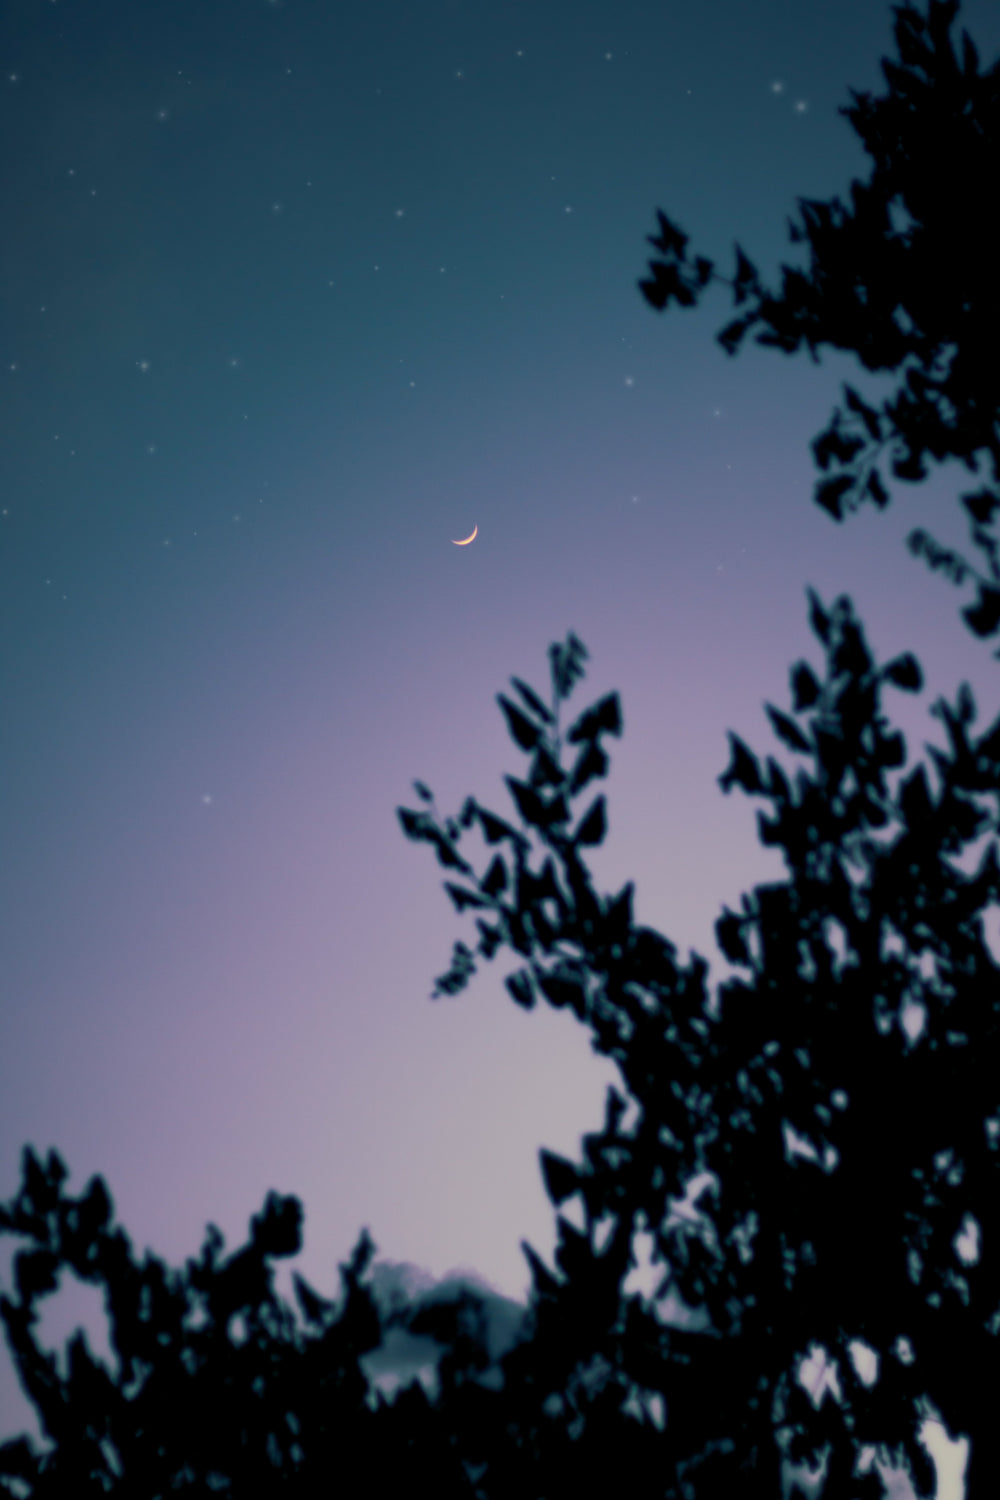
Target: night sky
x,y
294,295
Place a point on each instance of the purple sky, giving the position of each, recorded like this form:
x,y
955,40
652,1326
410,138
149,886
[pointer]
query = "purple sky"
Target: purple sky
x,y
293,294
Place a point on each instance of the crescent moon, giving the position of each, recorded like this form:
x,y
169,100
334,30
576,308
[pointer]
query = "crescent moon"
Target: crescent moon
x,y
465,542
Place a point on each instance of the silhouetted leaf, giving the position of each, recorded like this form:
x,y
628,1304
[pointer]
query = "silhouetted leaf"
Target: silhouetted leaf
x,y
532,700
422,791
591,762
671,240
94,1209
315,1308
519,986
742,768
490,938
818,618
984,615
865,412
521,728
910,466
533,809
805,688
544,1282
830,493
746,279
495,879
566,663
463,966
560,991
463,897
277,1229
905,672
495,829
545,770
592,829
730,938
447,855
732,335
966,705
604,716
618,915
787,730
416,825
468,814
877,490
981,505
561,1176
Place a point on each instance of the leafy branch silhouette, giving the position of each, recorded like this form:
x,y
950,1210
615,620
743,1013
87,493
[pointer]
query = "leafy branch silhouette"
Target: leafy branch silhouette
x,y
600,1389
807,1043
922,295
878,1232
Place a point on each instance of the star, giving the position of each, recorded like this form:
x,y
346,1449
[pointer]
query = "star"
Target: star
x,y
400,212
206,798
800,106
142,364
629,380
777,87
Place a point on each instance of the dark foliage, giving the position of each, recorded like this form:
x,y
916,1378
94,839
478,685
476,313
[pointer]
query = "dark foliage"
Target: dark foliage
x,y
871,1239
884,1233
856,1242
920,296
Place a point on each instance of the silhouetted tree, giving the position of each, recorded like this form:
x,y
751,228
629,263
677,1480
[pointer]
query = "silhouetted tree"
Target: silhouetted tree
x,y
923,293
884,1235
198,1404
861,1243
873,1242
